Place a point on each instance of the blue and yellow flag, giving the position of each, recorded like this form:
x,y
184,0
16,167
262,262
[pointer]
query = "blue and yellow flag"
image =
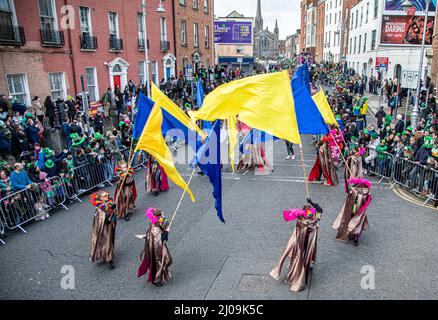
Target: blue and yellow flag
x,y
324,108
152,142
310,120
263,102
164,102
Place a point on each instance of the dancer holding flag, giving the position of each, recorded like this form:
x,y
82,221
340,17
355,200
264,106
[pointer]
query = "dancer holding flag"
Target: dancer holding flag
x,y
352,219
156,258
324,164
302,246
126,191
104,228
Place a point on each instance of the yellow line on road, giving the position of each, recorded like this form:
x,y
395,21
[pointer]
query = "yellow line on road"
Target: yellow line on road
x,y
411,199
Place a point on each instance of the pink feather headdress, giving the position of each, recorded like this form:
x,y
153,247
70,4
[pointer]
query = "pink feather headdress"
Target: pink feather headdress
x,y
150,215
364,182
294,214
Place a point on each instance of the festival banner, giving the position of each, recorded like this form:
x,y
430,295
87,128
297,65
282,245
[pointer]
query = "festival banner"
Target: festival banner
x,y
233,32
405,30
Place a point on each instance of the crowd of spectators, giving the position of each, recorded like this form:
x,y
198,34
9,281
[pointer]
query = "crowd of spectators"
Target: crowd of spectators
x,y
394,147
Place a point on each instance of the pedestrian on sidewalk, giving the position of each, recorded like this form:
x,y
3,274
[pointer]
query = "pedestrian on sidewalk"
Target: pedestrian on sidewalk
x,y
290,150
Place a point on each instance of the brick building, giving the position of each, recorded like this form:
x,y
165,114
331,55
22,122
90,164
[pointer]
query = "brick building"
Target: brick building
x,y
194,38
319,50
46,45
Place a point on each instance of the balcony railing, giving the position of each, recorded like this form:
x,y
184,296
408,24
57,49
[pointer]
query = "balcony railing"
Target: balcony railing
x,y
116,44
141,46
50,37
88,42
165,46
12,35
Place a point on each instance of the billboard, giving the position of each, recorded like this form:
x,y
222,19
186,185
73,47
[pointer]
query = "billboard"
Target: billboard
x,y
233,32
405,30
420,5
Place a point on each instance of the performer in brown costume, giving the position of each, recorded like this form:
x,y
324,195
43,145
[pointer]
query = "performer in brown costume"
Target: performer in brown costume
x,y
104,228
324,164
155,256
353,167
352,219
126,191
302,246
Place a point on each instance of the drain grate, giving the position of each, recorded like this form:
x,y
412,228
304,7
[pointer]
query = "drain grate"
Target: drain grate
x,y
254,283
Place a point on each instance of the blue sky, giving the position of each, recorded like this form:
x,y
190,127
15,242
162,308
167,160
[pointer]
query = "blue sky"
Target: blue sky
x,y
286,11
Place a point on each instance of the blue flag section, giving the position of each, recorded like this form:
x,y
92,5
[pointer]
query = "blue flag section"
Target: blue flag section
x,y
208,159
255,137
200,101
145,106
310,120
144,109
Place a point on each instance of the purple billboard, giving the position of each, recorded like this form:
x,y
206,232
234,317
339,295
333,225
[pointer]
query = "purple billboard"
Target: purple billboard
x,y
233,32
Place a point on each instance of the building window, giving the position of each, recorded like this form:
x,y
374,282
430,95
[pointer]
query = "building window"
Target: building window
x,y
155,72
85,20
206,6
113,24
18,87
357,18
207,37
376,8
195,35
367,13
354,45
373,39
47,14
141,72
352,21
91,78
163,29
195,4
361,16
360,43
365,42
140,28
183,32
57,86
182,2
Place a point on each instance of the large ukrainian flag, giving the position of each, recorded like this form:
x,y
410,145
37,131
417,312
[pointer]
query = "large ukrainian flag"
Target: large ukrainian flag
x,y
264,102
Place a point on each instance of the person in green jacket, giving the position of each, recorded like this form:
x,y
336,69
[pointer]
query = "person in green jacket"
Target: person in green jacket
x,y
382,157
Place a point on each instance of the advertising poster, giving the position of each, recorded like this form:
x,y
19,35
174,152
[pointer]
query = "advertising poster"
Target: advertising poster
x,y
233,32
420,5
405,30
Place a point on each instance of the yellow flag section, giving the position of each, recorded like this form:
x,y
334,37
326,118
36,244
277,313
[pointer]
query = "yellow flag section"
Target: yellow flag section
x,y
164,102
232,138
324,108
152,142
264,102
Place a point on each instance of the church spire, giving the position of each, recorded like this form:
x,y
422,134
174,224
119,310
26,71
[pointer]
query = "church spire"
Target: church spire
x,y
259,19
276,30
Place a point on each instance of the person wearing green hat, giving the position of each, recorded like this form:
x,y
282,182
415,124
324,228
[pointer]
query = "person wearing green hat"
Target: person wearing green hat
x,y
50,168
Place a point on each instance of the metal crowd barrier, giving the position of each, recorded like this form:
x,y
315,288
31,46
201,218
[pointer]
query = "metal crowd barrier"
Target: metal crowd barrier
x,y
417,178
19,208
87,177
2,229
379,164
30,204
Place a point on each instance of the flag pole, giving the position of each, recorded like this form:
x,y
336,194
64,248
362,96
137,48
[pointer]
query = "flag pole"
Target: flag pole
x,y
340,152
181,200
306,182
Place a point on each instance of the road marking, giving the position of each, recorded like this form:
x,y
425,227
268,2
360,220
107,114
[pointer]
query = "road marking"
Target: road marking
x,y
410,198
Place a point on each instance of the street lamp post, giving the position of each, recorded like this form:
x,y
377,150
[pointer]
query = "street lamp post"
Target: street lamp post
x,y
159,10
416,112
146,63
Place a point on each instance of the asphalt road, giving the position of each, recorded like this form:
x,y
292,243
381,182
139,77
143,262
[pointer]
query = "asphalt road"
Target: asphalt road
x,y
231,261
